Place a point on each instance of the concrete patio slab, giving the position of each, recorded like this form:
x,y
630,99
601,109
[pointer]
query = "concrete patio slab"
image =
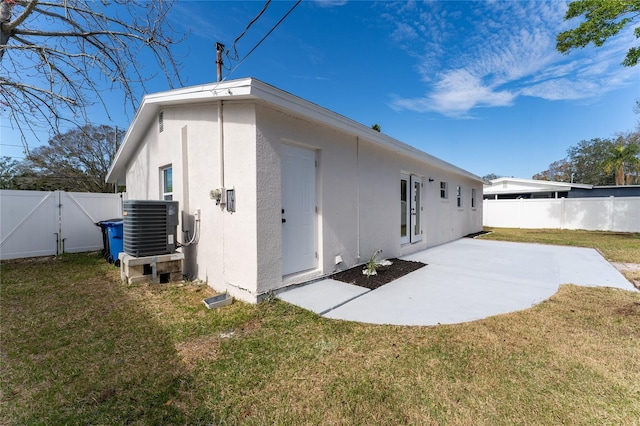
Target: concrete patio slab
x,y
465,280
321,296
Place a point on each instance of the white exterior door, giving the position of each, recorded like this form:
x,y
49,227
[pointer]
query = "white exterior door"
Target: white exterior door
x,y
410,209
299,247
416,209
405,206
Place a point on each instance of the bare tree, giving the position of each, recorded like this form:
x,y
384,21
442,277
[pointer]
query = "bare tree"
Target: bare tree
x,y
558,171
490,176
58,57
77,160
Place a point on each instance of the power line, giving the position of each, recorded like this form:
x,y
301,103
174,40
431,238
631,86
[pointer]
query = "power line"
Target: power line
x,y
7,126
263,39
253,21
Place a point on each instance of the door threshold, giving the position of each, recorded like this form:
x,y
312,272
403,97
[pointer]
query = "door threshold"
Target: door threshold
x,y
302,276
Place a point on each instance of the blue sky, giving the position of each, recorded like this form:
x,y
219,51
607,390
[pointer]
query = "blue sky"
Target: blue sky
x,y
478,84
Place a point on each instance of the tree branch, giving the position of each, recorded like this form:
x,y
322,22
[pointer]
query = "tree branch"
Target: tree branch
x,y
11,26
68,53
23,86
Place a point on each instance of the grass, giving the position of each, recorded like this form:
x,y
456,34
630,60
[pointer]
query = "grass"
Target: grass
x,y
615,246
80,347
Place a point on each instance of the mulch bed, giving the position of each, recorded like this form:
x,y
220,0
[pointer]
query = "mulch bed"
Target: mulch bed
x,y
385,274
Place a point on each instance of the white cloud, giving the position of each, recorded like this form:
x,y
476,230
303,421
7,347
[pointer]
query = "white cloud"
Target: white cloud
x,y
560,89
475,55
459,91
404,32
330,3
455,93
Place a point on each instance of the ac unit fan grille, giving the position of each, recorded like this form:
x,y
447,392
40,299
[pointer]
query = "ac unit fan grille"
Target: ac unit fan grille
x,y
150,227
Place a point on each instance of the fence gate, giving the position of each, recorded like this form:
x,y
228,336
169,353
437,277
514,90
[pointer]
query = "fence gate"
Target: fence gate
x,y
39,223
29,224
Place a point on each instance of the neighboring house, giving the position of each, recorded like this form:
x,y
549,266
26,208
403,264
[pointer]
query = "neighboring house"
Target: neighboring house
x,y
606,191
313,192
507,188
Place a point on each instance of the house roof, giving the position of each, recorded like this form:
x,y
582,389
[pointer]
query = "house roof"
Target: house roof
x,y
253,89
507,185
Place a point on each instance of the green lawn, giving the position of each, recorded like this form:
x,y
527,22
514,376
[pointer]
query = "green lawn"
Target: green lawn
x,y
615,246
80,347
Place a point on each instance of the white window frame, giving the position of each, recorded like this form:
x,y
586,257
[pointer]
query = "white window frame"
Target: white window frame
x,y
459,196
444,190
164,194
473,198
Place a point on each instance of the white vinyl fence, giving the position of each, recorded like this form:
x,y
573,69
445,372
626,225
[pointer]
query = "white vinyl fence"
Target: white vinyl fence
x,y
40,223
620,214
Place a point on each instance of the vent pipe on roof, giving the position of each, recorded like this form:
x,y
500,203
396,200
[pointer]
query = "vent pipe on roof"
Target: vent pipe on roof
x,y
219,50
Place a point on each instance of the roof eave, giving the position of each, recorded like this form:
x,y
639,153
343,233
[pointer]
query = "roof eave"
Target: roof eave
x,y
250,88
308,109
150,106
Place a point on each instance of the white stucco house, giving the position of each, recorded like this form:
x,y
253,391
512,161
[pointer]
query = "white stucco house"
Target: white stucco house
x,y
512,188
508,188
310,192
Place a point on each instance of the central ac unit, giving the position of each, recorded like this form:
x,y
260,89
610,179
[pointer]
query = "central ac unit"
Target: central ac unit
x,y
150,227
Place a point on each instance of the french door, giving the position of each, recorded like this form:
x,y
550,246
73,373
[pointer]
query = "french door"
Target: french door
x,y
410,209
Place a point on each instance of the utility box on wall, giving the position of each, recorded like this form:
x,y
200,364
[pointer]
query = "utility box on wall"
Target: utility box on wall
x,y
150,227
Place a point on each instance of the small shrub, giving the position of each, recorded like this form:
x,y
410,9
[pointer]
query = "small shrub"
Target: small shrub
x,y
371,267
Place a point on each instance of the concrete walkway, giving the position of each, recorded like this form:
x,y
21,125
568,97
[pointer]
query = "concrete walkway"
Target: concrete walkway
x,y
464,280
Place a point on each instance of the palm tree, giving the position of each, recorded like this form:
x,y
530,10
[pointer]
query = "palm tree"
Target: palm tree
x,y
623,158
